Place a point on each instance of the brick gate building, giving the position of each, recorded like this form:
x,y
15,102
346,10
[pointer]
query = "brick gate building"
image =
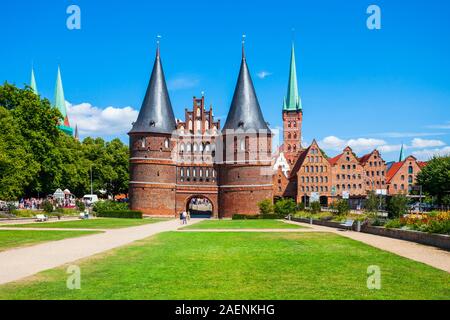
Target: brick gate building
x,y
172,162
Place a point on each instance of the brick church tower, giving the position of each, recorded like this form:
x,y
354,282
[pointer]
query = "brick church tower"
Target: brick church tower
x,y
292,116
245,170
152,169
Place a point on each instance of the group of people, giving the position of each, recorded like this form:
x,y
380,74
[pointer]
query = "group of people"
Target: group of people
x,y
30,203
185,217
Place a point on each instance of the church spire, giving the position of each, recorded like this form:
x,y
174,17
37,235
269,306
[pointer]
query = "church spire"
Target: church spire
x,y
76,136
60,104
245,112
292,101
33,83
401,154
156,114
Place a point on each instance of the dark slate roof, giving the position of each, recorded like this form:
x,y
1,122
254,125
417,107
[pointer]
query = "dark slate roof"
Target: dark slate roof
x,y
245,112
156,114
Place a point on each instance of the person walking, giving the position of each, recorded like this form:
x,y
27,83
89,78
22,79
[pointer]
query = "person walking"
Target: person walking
x,y
184,215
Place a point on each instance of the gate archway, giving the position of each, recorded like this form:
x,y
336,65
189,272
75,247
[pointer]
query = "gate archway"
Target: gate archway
x,y
199,206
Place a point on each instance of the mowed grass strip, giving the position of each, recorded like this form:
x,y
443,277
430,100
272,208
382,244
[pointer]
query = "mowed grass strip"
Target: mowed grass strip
x,y
235,265
18,238
97,223
243,224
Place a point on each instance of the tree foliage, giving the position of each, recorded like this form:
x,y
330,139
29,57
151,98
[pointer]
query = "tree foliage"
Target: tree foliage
x,y
36,158
397,206
435,178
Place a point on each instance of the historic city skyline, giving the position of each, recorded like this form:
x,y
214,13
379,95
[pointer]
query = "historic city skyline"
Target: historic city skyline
x,y
340,76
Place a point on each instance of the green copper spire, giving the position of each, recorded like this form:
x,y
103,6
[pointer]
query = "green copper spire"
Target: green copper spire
x,y
292,101
33,83
401,154
60,104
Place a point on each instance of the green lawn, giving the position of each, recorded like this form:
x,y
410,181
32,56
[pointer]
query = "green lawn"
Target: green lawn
x,y
236,265
99,223
17,238
243,224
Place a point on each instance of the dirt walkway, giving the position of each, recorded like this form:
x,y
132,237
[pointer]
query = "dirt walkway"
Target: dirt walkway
x,y
19,263
432,256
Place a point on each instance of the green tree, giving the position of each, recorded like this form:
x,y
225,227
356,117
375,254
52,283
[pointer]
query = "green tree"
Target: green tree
x,y
373,202
265,206
435,178
397,206
17,166
285,206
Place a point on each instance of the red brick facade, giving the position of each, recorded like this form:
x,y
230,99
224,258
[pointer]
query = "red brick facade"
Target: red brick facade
x,y
167,171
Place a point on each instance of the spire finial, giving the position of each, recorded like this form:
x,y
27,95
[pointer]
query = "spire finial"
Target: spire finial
x,y
158,37
243,46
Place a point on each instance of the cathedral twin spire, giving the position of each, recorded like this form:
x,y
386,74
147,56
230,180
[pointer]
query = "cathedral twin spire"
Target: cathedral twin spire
x,y
60,102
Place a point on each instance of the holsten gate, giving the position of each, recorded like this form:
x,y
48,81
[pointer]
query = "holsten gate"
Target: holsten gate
x,y
174,161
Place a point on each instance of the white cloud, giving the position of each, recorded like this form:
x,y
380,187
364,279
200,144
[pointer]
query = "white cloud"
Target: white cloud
x,y
423,143
446,125
263,74
427,154
95,121
358,144
407,134
391,148
182,82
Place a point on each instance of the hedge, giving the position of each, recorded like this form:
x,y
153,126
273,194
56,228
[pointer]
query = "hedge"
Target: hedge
x,y
257,216
127,214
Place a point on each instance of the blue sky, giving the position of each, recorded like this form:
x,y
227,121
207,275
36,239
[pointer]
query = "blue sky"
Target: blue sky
x,y
366,88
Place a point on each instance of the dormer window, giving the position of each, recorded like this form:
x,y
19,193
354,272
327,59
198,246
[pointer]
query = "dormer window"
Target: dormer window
x,y
152,123
241,124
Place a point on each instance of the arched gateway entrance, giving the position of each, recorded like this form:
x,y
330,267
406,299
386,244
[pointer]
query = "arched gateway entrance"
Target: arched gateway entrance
x,y
199,207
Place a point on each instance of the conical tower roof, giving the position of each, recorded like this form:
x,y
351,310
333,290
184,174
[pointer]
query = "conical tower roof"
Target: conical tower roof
x,y
245,112
401,154
33,83
156,114
60,102
292,101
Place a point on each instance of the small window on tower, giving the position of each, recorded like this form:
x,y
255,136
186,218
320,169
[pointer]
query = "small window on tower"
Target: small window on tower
x,y
166,143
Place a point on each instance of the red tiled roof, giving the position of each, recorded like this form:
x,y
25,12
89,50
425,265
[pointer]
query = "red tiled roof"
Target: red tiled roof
x,y
364,158
333,161
393,170
299,162
422,164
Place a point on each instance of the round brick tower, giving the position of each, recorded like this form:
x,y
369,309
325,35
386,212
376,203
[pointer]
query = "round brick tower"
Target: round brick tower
x,y
245,175
152,170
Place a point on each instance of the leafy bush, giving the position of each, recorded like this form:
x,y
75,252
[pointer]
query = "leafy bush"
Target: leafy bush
x,y
127,214
301,206
315,207
47,206
394,224
265,206
284,207
272,216
342,207
372,202
397,206
80,205
109,205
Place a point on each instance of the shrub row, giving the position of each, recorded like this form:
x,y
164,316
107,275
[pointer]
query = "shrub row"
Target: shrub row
x,y
257,216
127,214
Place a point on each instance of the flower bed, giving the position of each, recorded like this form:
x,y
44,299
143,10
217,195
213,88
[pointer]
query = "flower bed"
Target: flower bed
x,y
433,222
